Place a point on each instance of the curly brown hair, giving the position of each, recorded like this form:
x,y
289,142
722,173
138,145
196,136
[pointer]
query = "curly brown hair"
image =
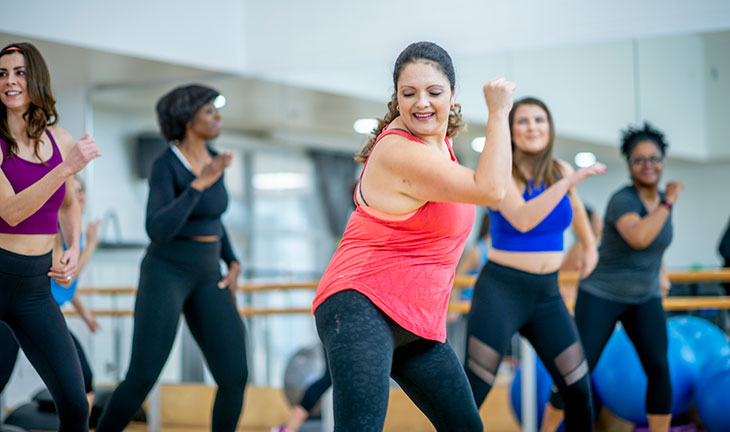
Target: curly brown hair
x,y
418,51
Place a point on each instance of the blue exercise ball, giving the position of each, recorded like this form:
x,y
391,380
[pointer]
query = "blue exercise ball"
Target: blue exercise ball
x,y
620,381
705,339
543,383
713,403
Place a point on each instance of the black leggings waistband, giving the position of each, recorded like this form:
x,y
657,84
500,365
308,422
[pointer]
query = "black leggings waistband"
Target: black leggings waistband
x,y
24,265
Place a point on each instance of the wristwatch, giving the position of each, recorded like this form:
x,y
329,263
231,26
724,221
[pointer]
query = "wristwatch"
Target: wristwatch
x,y
666,203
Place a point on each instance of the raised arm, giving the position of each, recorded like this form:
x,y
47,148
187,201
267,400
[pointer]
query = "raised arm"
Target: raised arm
x,y
582,227
526,215
19,206
640,232
423,174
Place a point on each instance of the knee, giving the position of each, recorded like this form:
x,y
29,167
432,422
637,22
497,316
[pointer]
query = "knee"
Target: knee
x,y
235,378
73,414
576,394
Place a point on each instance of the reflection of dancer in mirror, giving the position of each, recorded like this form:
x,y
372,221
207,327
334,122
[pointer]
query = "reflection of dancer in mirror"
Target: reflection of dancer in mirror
x,y
37,195
629,279
517,290
381,304
62,293
180,273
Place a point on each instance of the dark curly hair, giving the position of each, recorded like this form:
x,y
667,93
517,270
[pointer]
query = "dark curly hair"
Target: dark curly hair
x,y
634,135
177,108
417,51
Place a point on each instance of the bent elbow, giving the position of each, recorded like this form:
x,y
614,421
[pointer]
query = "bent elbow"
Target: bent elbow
x,y
12,220
492,195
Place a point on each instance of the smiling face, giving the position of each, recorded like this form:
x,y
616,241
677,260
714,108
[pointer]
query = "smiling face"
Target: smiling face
x,y
530,129
424,99
646,163
206,123
13,82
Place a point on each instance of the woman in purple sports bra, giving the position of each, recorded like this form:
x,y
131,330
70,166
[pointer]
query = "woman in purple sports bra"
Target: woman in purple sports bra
x,y
38,160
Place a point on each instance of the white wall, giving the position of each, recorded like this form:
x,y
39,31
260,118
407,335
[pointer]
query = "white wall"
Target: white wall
x,y
208,35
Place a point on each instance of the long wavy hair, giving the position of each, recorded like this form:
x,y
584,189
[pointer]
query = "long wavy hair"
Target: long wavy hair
x,y
417,51
547,169
42,110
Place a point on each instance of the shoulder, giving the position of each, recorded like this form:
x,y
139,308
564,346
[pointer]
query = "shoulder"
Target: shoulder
x,y
625,198
163,162
396,148
566,168
63,139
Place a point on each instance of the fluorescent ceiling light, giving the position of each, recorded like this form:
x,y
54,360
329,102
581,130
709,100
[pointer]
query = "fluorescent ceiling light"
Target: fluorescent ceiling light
x,y
365,125
584,159
219,101
477,144
280,181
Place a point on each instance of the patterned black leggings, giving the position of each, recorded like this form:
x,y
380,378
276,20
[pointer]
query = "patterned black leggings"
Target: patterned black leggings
x,y
365,348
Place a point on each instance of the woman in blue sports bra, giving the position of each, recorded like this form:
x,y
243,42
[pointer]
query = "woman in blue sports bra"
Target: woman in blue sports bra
x,y
517,289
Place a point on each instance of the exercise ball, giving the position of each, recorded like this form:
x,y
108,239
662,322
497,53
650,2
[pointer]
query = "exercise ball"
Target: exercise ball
x,y
713,403
620,382
543,384
303,368
705,339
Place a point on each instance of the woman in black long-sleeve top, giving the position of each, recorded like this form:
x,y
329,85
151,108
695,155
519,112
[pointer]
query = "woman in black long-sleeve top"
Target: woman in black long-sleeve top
x,y
181,272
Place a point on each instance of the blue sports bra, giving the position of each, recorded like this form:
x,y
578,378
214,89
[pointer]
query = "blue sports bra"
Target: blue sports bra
x,y
547,236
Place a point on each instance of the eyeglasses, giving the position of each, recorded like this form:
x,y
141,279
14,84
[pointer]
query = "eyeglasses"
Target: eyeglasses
x,y
654,160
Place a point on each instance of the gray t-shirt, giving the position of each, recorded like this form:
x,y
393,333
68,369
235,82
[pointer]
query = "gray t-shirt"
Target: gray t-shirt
x,y
624,274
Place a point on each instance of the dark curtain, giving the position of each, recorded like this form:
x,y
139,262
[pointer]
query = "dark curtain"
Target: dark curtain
x,y
335,180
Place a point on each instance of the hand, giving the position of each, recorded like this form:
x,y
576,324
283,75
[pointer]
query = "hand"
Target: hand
x,y
674,188
65,271
230,280
213,170
498,94
81,154
578,176
92,234
588,262
664,283
91,322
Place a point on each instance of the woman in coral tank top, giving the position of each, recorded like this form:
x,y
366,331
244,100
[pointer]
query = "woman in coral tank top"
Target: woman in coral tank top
x,y
381,305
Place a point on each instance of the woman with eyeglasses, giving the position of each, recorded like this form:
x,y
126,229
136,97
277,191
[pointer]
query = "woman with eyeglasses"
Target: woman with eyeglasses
x,y
629,280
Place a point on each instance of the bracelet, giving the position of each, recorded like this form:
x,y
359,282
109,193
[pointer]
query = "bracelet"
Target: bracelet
x,y
666,203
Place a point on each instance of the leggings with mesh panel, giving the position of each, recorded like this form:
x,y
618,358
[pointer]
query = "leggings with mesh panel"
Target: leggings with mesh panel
x,y
365,348
507,300
27,307
646,328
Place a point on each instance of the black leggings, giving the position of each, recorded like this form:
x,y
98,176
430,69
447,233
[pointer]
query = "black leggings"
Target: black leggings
x,y
182,277
9,353
365,348
27,307
507,300
645,326
314,392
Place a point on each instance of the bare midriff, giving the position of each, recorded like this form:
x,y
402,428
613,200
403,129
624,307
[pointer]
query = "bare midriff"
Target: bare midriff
x,y
27,244
532,262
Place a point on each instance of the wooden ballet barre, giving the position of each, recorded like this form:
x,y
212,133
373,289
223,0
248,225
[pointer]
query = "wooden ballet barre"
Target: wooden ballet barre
x,y
687,276
670,303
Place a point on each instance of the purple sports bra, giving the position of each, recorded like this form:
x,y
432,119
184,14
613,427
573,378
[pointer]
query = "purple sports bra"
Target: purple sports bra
x,y
21,174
